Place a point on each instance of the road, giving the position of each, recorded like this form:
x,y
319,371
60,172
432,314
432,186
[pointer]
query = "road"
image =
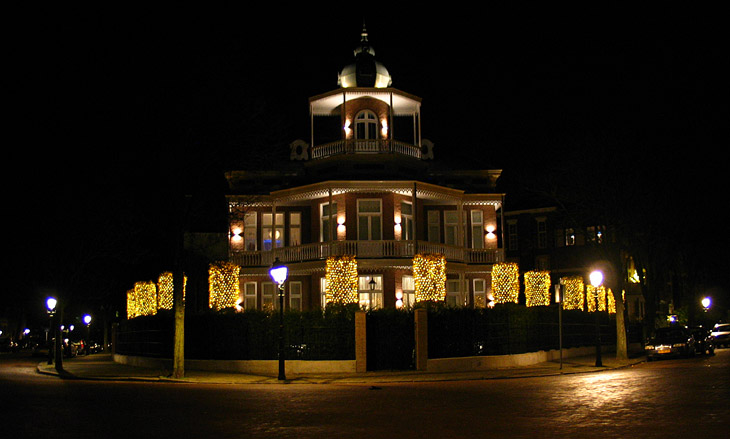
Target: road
x,y
679,397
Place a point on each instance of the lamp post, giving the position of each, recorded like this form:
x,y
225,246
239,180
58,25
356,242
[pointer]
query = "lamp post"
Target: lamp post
x,y
51,303
597,280
706,302
278,273
87,321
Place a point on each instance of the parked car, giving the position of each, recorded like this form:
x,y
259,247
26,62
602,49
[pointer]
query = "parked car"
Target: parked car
x,y
704,341
721,334
670,342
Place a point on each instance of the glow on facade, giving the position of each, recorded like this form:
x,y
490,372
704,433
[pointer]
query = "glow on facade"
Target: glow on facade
x,y
341,279
429,276
506,282
537,288
223,286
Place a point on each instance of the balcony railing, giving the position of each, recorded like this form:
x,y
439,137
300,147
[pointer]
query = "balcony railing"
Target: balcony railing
x,y
364,250
357,146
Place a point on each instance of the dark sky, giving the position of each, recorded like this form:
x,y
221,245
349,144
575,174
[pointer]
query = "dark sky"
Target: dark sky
x,y
108,102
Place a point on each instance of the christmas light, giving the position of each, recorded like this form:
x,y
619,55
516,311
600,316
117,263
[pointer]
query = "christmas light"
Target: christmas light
x,y
506,282
223,285
537,288
573,292
591,293
429,276
341,280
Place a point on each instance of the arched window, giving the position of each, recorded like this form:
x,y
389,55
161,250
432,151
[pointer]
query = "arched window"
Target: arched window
x,y
366,125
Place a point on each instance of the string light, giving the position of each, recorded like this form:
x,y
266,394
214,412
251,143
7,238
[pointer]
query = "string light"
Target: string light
x,y
146,298
506,282
223,286
132,307
537,288
573,292
165,290
591,293
341,280
429,276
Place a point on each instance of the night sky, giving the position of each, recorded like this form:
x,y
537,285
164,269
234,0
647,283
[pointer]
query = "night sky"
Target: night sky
x,y
113,107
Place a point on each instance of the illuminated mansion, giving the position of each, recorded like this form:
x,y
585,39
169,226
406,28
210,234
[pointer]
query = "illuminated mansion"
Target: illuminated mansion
x,y
359,209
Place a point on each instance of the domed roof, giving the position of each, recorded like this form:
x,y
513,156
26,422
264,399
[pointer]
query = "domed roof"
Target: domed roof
x,y
365,71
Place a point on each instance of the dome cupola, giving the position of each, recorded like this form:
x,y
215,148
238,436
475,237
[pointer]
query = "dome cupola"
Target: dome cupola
x,y
365,71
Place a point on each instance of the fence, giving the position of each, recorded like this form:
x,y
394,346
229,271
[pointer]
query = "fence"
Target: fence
x,y
390,336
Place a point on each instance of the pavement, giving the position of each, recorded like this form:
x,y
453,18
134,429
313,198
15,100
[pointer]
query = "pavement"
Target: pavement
x,y
102,367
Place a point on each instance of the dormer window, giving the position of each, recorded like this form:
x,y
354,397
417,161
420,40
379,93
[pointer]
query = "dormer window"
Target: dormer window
x,y
366,125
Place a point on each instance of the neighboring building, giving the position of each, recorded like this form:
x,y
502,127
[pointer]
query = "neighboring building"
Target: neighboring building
x,y
543,239
366,185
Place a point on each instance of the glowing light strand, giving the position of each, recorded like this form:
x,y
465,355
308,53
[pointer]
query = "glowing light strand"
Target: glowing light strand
x,y
506,282
537,288
429,276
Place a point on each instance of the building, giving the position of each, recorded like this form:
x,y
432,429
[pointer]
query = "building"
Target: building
x,y
546,239
366,185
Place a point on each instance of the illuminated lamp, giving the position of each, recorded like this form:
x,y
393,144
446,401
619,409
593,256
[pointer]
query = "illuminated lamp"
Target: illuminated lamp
x,y
399,299
490,232
384,128
341,225
348,130
236,235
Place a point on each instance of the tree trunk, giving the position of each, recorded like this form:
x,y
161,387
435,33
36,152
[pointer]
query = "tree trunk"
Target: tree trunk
x,y
178,362
622,345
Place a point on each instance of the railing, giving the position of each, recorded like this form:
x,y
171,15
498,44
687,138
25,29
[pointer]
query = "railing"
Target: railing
x,y
358,146
364,249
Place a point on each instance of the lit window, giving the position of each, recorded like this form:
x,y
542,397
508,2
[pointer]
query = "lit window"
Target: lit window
x,y
370,298
366,125
569,237
409,291
480,293
272,233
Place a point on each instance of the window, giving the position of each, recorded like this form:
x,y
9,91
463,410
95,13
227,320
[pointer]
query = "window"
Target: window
x,y
295,296
542,263
323,292
325,225
366,125
477,229
272,233
453,293
295,228
434,226
409,291
249,231
480,293
269,292
369,221
370,299
569,237
595,234
406,215
249,295
451,227
512,235
541,233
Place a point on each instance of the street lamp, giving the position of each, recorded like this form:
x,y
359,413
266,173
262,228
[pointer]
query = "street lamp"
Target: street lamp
x,y
51,303
706,302
278,273
87,321
596,278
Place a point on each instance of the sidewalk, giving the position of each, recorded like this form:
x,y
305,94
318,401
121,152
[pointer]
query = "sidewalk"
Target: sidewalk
x,y
102,367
